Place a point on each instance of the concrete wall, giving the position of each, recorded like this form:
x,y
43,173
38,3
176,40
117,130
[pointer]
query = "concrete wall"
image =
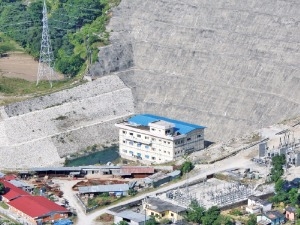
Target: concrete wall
x,y
232,66
62,123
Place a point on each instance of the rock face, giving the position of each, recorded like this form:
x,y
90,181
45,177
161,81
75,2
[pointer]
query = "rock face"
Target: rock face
x,y
43,130
232,66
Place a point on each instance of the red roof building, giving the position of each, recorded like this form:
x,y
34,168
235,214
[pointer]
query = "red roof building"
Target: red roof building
x,y
11,191
136,171
38,208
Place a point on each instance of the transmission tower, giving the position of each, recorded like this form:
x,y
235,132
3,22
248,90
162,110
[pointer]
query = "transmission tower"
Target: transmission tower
x,y
45,69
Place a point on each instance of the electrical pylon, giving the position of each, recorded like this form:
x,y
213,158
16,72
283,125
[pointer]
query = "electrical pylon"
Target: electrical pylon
x,y
45,69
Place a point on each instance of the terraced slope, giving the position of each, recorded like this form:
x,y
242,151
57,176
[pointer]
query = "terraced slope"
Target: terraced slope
x,y
232,66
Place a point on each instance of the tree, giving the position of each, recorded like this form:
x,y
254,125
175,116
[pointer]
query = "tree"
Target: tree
x,y
276,172
195,212
279,185
224,220
186,167
211,215
2,189
151,221
252,220
4,49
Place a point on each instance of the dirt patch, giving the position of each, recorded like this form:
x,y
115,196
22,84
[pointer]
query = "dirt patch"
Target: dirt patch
x,y
20,65
96,182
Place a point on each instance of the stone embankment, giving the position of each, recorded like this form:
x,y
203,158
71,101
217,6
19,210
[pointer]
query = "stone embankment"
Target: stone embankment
x,y
43,130
232,66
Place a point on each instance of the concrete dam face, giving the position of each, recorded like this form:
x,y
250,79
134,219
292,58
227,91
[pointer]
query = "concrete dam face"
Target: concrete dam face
x,y
232,66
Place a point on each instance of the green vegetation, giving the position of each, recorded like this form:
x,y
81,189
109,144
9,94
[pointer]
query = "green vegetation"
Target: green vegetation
x,y
77,29
277,171
198,214
20,87
252,220
121,223
291,197
4,205
186,167
2,188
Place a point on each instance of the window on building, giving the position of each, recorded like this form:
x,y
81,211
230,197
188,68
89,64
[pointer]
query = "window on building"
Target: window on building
x,y
164,151
163,214
124,141
153,139
130,133
153,149
199,135
146,146
188,139
172,214
139,144
168,142
124,150
153,129
131,142
165,142
138,135
153,158
152,213
169,153
124,132
131,152
147,156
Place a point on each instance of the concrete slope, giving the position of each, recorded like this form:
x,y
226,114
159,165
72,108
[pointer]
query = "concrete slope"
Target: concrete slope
x,y
232,66
62,123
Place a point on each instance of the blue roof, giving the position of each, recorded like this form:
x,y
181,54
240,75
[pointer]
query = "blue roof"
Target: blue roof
x,y
181,127
63,222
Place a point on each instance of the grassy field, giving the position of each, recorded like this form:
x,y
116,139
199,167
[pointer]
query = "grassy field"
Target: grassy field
x,y
16,89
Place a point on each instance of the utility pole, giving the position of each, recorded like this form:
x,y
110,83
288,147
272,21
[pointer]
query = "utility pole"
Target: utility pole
x,y
45,68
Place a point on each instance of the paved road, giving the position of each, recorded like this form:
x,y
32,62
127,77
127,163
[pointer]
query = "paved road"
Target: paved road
x,y
89,219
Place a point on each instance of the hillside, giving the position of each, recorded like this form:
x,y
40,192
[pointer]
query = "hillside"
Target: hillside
x,y
232,66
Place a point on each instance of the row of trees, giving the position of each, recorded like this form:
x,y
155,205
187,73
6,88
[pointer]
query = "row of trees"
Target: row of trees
x,y
277,167
77,28
198,214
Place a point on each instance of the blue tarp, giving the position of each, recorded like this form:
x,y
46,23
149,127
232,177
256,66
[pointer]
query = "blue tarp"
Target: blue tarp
x,y
63,222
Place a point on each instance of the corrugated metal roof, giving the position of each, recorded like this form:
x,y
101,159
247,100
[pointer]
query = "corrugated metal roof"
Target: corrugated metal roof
x,y
133,216
104,188
136,169
19,183
180,126
175,173
36,206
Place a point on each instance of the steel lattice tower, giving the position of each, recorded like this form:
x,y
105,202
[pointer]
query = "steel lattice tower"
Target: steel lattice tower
x,y
46,55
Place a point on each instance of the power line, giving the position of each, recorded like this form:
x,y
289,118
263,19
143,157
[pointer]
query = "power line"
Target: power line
x,y
46,55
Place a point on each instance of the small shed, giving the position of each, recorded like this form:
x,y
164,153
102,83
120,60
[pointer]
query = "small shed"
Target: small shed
x,y
290,213
132,218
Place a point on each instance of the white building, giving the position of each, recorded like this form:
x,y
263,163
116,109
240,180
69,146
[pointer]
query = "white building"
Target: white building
x,y
158,139
257,205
